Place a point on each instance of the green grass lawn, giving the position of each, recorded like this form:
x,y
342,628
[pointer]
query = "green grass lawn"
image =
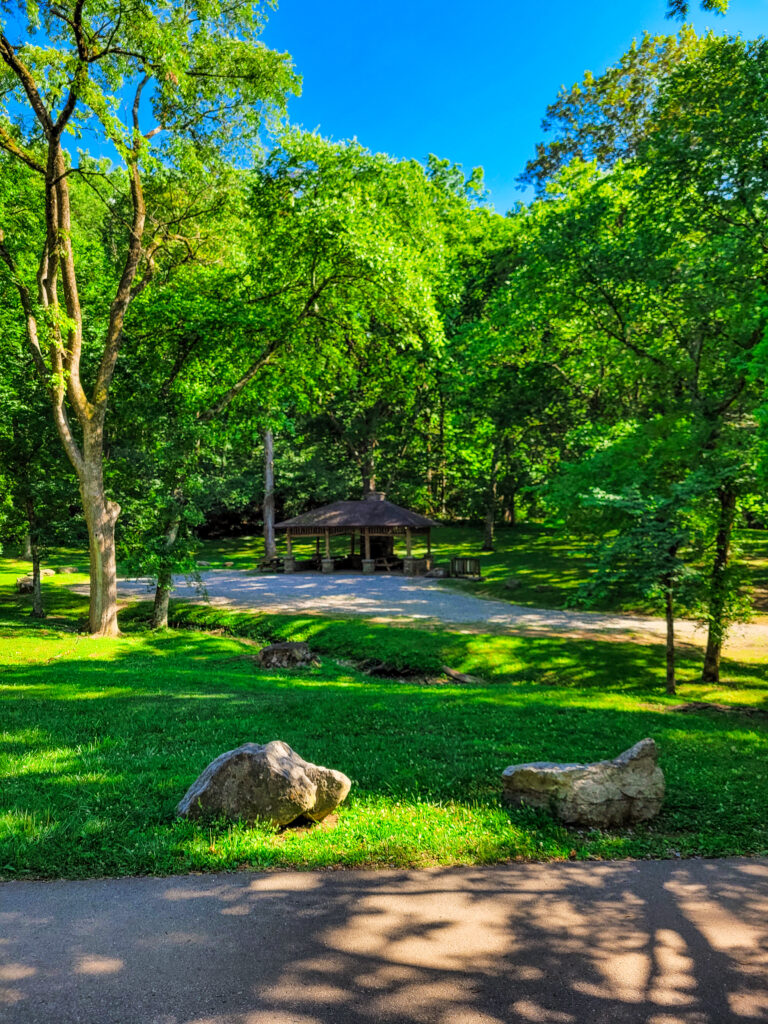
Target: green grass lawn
x,y
99,739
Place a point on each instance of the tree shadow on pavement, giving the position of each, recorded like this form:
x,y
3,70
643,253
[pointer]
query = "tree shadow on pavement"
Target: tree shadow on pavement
x,y
652,942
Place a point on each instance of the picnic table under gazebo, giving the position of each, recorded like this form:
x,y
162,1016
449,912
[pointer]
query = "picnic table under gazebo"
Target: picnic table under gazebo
x,y
371,525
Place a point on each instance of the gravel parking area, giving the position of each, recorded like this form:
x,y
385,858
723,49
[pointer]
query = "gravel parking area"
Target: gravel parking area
x,y
400,597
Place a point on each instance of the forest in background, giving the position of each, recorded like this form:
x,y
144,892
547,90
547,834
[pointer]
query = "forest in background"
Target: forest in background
x,y
595,357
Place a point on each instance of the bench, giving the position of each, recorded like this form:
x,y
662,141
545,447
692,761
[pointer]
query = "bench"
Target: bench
x,y
466,568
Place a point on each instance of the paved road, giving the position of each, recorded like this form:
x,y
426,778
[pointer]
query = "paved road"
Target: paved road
x,y
398,596
658,942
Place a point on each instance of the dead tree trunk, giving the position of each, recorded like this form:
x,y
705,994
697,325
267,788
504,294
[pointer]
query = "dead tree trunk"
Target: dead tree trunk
x,y
718,597
270,545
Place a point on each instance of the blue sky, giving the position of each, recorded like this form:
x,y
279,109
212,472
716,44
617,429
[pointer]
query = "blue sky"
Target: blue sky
x,y
467,81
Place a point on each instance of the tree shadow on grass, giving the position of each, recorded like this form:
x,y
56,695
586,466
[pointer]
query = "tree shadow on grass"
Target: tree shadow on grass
x,y
565,944
119,742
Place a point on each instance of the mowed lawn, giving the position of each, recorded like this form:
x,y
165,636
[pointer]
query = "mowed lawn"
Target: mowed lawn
x,y
99,739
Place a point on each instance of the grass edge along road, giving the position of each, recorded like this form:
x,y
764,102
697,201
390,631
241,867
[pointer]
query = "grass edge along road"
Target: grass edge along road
x,y
100,739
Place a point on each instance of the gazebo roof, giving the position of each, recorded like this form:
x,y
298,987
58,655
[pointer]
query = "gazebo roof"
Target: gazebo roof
x,y
372,511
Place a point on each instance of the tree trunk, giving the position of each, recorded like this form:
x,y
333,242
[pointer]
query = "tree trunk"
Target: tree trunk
x,y
26,553
369,471
718,595
510,510
100,517
670,641
490,506
162,599
38,612
164,581
441,446
270,546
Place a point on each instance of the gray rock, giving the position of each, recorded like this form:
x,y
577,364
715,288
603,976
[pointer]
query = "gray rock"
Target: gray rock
x,y
512,583
629,788
438,573
47,572
264,783
25,584
67,569
290,654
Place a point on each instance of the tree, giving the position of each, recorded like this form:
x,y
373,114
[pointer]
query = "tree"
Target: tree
x,y
606,117
680,8
319,258
208,82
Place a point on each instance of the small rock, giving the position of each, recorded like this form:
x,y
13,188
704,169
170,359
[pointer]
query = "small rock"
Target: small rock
x,y
67,570
512,583
203,564
228,565
47,572
268,783
25,584
438,573
460,677
286,655
629,788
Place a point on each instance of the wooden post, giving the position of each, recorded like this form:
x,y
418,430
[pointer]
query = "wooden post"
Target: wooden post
x,y
429,540
352,542
408,541
367,544
317,545
327,543
288,546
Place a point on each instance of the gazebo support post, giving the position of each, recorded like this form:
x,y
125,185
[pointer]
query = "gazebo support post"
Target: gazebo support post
x,y
327,563
429,548
289,562
368,563
409,562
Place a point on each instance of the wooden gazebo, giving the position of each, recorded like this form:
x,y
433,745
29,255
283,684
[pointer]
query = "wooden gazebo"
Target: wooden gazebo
x,y
375,521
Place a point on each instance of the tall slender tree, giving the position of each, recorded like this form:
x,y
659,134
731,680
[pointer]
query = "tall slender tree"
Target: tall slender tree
x,y
198,84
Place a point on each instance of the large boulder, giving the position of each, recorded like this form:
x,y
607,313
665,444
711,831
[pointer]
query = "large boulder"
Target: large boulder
x,y
291,654
25,584
267,783
629,788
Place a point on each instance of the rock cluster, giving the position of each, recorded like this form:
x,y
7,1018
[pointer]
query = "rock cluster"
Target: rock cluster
x,y
264,783
629,788
290,654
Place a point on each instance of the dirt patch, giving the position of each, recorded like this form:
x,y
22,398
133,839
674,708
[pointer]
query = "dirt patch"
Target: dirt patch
x,y
705,705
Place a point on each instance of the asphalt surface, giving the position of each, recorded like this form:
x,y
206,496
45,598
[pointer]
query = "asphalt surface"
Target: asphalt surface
x,y
387,597
657,942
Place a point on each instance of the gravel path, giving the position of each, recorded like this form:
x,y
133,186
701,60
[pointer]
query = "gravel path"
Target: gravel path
x,y
388,597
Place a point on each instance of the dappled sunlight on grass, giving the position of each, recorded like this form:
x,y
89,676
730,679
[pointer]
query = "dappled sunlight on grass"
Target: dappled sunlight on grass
x,y
100,739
